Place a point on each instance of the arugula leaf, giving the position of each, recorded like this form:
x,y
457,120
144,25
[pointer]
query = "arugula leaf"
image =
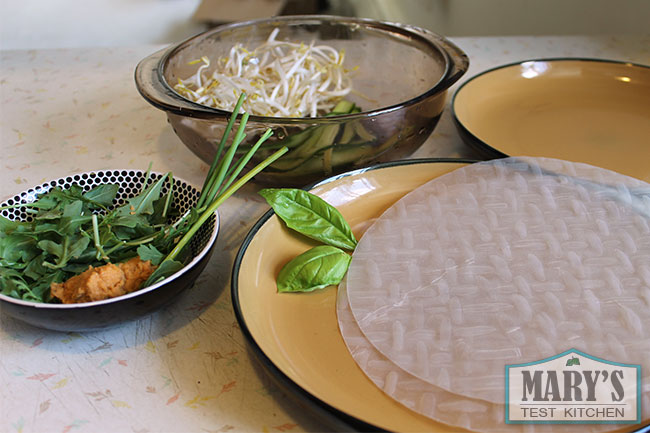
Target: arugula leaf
x,y
12,283
316,268
159,215
51,214
164,270
60,196
143,203
73,208
103,195
76,248
40,290
7,226
35,269
130,221
40,229
53,248
311,216
10,279
17,248
149,252
72,224
70,248
48,201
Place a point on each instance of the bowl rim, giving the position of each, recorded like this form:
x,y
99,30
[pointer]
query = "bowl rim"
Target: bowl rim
x,y
47,306
476,141
163,96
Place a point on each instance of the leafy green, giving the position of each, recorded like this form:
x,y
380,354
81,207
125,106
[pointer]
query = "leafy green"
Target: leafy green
x,y
316,268
149,252
17,248
103,195
311,216
166,269
55,244
142,204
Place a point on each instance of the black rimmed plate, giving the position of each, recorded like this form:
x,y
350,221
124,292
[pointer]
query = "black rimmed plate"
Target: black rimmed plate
x,y
582,110
296,336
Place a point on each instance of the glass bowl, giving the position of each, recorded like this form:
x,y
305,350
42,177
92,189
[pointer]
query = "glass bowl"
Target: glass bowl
x,y
400,79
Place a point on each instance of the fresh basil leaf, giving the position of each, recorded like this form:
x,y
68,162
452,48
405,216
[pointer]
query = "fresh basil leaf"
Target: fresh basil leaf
x,y
103,195
316,268
311,216
149,252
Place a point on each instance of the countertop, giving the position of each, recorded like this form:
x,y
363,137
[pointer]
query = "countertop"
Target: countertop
x,y
185,368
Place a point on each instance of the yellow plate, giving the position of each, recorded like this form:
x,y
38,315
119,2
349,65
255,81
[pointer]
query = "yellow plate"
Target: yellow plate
x,y
296,336
581,110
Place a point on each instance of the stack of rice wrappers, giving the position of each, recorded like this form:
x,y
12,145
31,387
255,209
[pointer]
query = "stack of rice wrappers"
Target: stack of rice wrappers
x,y
498,263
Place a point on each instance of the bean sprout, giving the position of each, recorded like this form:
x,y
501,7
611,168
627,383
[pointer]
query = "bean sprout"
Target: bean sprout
x,y
284,79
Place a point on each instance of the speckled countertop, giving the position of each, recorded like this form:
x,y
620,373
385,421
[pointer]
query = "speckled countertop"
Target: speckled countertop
x,y
185,368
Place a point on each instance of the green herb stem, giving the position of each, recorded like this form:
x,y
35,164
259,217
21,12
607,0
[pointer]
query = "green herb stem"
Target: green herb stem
x,y
215,186
146,177
132,243
170,176
18,205
216,161
244,159
220,199
100,251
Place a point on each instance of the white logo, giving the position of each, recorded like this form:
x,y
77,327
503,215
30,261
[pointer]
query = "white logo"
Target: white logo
x,y
573,387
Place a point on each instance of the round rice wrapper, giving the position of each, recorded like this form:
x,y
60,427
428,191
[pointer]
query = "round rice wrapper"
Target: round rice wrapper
x,y
506,262
427,399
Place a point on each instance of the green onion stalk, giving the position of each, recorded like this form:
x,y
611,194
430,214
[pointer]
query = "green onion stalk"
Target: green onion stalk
x,y
222,181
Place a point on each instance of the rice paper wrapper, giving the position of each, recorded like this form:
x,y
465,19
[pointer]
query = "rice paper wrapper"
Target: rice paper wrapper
x,y
503,262
427,399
